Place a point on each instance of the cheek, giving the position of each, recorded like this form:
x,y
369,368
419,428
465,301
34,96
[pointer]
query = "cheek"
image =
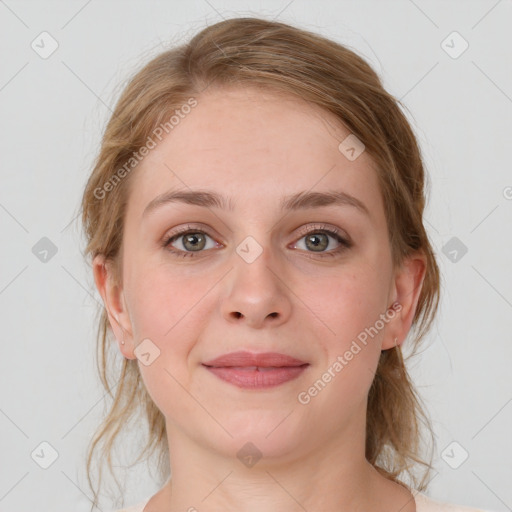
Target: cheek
x,y
348,302
349,306
162,301
165,310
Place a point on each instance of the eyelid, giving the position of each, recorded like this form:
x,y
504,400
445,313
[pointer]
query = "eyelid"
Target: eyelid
x,y
343,240
190,228
303,231
322,226
341,237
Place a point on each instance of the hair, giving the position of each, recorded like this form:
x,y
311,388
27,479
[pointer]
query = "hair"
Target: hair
x,y
293,61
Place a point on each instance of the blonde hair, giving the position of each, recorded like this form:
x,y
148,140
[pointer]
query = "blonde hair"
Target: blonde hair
x,y
257,52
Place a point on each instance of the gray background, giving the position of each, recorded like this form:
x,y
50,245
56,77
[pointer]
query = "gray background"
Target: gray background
x,y
53,113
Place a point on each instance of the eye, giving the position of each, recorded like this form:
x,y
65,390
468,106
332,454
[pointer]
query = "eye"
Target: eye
x,y
188,241
316,240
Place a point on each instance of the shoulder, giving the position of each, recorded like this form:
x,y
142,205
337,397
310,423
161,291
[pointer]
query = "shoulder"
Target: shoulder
x,y
139,507
426,504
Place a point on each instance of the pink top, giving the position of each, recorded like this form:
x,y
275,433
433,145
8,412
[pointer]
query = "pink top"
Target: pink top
x,y
423,504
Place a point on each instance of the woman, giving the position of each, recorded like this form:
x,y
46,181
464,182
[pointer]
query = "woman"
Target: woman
x,y
254,220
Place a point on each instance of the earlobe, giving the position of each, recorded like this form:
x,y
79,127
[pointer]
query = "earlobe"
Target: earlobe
x,y
408,283
114,304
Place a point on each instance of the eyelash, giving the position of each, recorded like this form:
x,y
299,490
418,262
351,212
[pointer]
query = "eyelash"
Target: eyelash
x,y
333,232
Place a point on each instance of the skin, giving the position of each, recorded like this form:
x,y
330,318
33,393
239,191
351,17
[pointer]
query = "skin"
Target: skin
x,y
255,147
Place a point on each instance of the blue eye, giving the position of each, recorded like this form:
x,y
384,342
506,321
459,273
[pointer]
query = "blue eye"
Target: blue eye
x,y
196,241
318,238
192,240
318,241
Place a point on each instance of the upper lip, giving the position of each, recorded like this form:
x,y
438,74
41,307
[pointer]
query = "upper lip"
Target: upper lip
x,y
264,359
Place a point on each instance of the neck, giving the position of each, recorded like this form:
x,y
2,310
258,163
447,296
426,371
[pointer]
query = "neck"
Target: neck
x,y
328,477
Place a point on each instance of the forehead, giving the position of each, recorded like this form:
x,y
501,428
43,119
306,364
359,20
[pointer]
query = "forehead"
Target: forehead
x,y
254,145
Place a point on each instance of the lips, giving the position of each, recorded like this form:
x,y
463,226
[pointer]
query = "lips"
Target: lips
x,y
246,360
256,371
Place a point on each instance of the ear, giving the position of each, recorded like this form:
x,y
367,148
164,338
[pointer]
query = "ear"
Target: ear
x,y
408,282
113,300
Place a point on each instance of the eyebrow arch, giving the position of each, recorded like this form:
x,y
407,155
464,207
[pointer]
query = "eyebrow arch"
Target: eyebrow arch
x,y
298,201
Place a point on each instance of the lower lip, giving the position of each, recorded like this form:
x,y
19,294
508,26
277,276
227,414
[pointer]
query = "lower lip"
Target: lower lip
x,y
257,379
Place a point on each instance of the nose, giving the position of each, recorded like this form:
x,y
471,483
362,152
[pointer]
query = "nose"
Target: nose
x,y
257,293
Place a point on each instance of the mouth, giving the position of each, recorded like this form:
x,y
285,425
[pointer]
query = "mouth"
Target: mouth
x,y
243,359
254,371
253,368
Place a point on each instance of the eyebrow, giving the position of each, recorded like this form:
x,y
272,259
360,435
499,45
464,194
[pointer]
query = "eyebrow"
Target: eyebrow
x,y
298,201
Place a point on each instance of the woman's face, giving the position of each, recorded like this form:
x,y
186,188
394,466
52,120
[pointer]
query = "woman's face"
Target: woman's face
x,y
258,272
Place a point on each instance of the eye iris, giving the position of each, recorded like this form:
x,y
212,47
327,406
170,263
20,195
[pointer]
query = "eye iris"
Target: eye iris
x,y
194,238
318,240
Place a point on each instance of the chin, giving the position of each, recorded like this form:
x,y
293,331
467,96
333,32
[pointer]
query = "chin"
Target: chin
x,y
267,434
